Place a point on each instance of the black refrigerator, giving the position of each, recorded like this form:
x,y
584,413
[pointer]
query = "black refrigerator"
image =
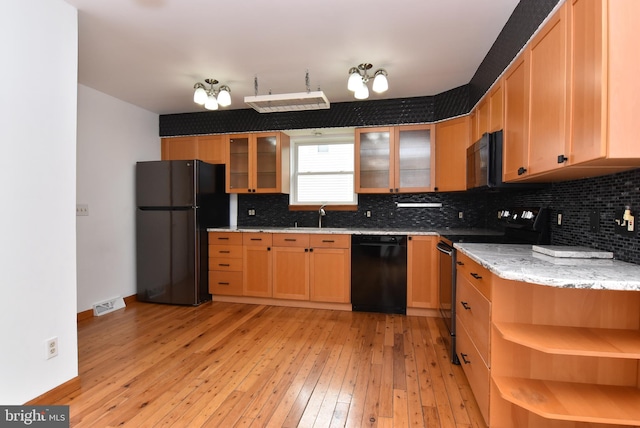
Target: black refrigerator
x,y
176,201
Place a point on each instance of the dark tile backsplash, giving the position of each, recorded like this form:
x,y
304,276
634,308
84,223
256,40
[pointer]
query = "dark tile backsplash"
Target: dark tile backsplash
x,y
575,199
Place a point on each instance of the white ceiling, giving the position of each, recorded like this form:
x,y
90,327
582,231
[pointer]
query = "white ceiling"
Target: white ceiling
x,y
150,53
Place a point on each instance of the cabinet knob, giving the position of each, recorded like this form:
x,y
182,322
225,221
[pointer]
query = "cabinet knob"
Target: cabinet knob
x,y
562,158
435,188
464,358
475,275
522,170
268,248
306,250
311,250
465,305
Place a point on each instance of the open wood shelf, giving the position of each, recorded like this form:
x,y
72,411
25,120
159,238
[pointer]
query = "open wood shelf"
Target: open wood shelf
x,y
578,402
592,342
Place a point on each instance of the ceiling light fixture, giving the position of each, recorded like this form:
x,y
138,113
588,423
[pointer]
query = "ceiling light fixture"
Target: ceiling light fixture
x,y
211,98
358,79
299,101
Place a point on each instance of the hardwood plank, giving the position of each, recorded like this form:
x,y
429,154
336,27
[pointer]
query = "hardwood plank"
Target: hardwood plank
x,y
236,364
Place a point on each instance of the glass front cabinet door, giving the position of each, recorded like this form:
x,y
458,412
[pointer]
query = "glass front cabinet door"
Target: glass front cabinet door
x,y
394,159
255,163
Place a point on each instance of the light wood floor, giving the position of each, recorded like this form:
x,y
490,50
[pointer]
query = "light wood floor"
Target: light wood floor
x,y
227,364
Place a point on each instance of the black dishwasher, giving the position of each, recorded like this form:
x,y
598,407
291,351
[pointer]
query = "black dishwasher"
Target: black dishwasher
x,y
379,273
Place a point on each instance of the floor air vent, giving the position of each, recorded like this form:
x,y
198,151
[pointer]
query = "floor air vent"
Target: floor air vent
x,y
108,306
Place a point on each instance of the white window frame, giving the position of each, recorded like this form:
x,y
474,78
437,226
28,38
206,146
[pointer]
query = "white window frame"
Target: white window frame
x,y
308,140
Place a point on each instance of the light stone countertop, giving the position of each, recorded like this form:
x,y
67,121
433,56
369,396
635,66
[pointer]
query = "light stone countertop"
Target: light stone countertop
x,y
519,263
359,231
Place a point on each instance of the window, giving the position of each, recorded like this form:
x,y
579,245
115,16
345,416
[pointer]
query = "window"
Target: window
x,y
322,170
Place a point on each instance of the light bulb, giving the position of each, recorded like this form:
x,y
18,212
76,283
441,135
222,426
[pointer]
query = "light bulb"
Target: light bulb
x,y
355,80
362,93
224,97
200,95
380,83
211,103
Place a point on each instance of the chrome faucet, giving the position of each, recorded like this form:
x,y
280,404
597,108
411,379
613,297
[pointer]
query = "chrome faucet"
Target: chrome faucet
x,y
321,213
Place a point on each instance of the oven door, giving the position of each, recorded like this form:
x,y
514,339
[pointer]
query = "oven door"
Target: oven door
x,y
447,285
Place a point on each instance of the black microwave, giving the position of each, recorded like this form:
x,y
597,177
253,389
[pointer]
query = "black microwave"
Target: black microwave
x,y
484,165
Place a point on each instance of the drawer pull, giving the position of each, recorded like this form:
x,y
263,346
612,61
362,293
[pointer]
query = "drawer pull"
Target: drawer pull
x,y
475,275
223,283
224,251
223,238
328,240
464,358
290,239
256,239
224,264
459,263
465,305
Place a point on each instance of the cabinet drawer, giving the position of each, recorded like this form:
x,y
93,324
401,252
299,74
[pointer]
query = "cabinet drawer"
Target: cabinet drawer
x,y
257,239
225,238
476,371
473,310
227,283
329,241
291,240
225,264
477,275
226,251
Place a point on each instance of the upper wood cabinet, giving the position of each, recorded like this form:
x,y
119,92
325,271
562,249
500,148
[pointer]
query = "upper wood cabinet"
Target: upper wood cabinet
x,y
496,107
570,97
604,82
451,154
516,119
258,163
207,148
483,115
394,159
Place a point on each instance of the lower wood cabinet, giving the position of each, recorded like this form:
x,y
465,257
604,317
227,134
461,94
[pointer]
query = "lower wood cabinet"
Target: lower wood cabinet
x,y
540,356
258,272
292,266
225,263
330,268
422,272
473,324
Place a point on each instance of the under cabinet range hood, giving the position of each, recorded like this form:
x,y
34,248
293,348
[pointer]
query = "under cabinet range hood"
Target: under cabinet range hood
x,y
299,101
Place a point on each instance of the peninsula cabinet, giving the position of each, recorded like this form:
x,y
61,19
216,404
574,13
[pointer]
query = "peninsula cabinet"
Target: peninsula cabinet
x,y
394,159
207,148
258,163
422,272
539,356
564,357
451,154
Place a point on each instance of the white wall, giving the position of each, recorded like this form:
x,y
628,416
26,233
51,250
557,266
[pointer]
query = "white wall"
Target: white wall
x,y
39,44
112,137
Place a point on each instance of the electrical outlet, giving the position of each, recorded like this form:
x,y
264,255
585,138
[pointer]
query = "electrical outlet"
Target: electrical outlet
x,y
52,348
252,212
460,215
82,209
559,219
368,214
